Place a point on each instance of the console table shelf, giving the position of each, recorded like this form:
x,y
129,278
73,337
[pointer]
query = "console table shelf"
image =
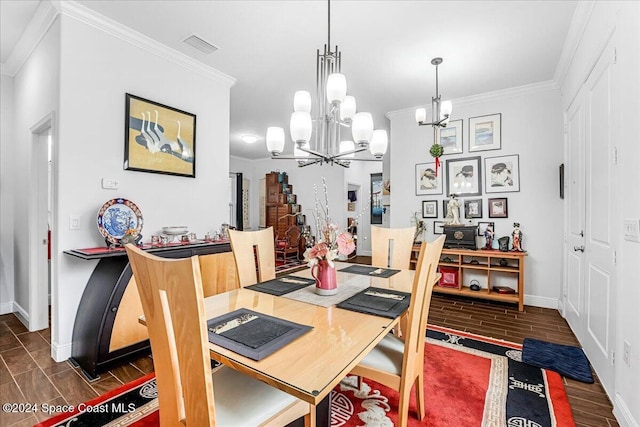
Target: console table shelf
x,y
487,268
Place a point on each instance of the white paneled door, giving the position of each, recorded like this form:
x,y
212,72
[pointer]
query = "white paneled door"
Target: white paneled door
x,y
590,283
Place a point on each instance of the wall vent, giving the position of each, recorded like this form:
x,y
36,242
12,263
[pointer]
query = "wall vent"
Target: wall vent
x,y
200,44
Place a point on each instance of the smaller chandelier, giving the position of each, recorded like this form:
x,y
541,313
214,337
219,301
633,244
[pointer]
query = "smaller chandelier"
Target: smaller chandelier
x,y
440,110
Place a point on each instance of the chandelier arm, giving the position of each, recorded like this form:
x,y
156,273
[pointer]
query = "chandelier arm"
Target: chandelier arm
x,y
357,150
315,153
364,160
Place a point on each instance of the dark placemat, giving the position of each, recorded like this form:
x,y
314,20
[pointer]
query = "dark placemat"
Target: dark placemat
x,y
378,301
252,334
370,271
282,285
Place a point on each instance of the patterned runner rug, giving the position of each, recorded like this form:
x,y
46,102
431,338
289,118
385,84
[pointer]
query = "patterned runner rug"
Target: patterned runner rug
x,y
470,380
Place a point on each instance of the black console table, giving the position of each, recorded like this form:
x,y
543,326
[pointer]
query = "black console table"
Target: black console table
x,y
106,332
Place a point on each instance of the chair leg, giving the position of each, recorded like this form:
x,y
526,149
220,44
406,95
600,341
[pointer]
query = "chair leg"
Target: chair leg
x,y
420,403
403,405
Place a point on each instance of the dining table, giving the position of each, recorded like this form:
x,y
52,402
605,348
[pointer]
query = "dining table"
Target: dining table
x,y
313,364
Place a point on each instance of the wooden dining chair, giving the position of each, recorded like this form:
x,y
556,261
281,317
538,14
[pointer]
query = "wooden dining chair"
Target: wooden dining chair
x,y
173,303
385,254
249,247
397,363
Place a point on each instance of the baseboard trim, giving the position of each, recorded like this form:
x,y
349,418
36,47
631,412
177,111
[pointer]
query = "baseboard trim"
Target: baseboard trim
x,y
543,302
622,413
21,314
6,307
60,352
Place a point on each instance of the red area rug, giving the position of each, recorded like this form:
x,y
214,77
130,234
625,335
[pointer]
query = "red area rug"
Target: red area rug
x,y
290,265
469,381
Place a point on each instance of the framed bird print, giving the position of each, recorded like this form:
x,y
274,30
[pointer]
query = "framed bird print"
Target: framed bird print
x,y
159,138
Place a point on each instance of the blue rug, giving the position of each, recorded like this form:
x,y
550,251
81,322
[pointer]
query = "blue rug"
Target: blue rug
x,y
566,360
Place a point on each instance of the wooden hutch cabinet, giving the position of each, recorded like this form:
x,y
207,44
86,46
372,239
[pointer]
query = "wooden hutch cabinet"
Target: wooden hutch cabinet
x,y
280,204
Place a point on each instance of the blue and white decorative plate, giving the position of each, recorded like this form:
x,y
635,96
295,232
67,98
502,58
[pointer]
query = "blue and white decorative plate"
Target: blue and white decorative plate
x,y
117,216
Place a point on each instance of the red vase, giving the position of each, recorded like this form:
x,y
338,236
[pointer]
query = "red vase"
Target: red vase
x,y
325,275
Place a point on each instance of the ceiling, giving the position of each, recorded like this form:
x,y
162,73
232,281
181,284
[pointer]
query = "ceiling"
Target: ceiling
x,y
387,46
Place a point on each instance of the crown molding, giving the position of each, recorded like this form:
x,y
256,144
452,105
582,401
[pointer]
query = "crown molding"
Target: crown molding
x,y
577,28
42,19
497,95
116,29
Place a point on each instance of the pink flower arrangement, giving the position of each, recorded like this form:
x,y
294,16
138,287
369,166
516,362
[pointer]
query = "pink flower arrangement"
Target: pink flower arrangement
x,y
331,243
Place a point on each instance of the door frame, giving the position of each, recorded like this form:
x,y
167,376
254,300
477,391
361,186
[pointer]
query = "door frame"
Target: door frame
x,y
39,298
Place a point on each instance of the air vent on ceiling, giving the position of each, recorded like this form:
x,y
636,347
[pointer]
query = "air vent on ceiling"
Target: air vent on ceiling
x,y
200,44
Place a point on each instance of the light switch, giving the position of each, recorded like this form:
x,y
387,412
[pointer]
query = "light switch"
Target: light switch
x,y
632,230
74,222
109,183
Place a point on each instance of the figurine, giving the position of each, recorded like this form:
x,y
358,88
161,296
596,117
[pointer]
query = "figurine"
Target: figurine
x,y
516,236
488,235
453,211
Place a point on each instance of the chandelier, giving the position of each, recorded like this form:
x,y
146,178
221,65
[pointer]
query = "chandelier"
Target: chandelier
x,y
440,111
333,111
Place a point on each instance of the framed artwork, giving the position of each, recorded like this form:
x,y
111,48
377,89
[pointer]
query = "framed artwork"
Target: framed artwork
x,y
426,180
429,209
158,138
482,227
376,198
450,137
485,133
438,227
498,208
502,174
473,208
463,177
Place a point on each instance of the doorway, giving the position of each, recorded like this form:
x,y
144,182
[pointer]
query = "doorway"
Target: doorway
x,y
42,201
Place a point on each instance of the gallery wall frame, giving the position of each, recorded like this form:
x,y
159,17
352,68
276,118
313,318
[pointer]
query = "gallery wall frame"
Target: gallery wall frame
x,y
450,137
498,208
427,182
158,138
464,176
485,133
473,208
482,227
429,209
376,198
502,174
438,227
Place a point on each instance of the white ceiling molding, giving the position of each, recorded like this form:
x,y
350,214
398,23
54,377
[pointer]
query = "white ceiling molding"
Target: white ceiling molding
x,y
483,97
44,16
577,28
109,26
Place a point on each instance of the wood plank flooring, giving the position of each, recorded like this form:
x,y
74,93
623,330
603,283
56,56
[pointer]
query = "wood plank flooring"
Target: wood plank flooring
x,y
28,374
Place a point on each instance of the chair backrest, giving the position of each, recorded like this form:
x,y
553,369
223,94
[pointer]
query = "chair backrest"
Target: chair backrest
x,y
400,255
173,304
249,246
218,273
423,282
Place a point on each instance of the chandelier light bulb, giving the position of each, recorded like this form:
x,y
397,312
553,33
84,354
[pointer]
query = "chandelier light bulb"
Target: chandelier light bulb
x,y
379,142
302,101
300,127
421,115
362,128
445,109
348,108
336,88
347,146
275,140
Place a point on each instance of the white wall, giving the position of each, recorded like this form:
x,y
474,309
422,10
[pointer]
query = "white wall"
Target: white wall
x,y
619,21
7,144
36,94
532,128
97,69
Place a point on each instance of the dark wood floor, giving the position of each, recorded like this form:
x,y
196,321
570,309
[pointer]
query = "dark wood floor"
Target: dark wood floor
x,y
28,374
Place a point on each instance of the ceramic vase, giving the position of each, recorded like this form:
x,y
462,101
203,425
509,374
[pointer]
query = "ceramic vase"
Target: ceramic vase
x,y
325,275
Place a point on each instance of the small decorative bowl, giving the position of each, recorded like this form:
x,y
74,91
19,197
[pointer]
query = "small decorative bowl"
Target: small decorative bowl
x,y
175,230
